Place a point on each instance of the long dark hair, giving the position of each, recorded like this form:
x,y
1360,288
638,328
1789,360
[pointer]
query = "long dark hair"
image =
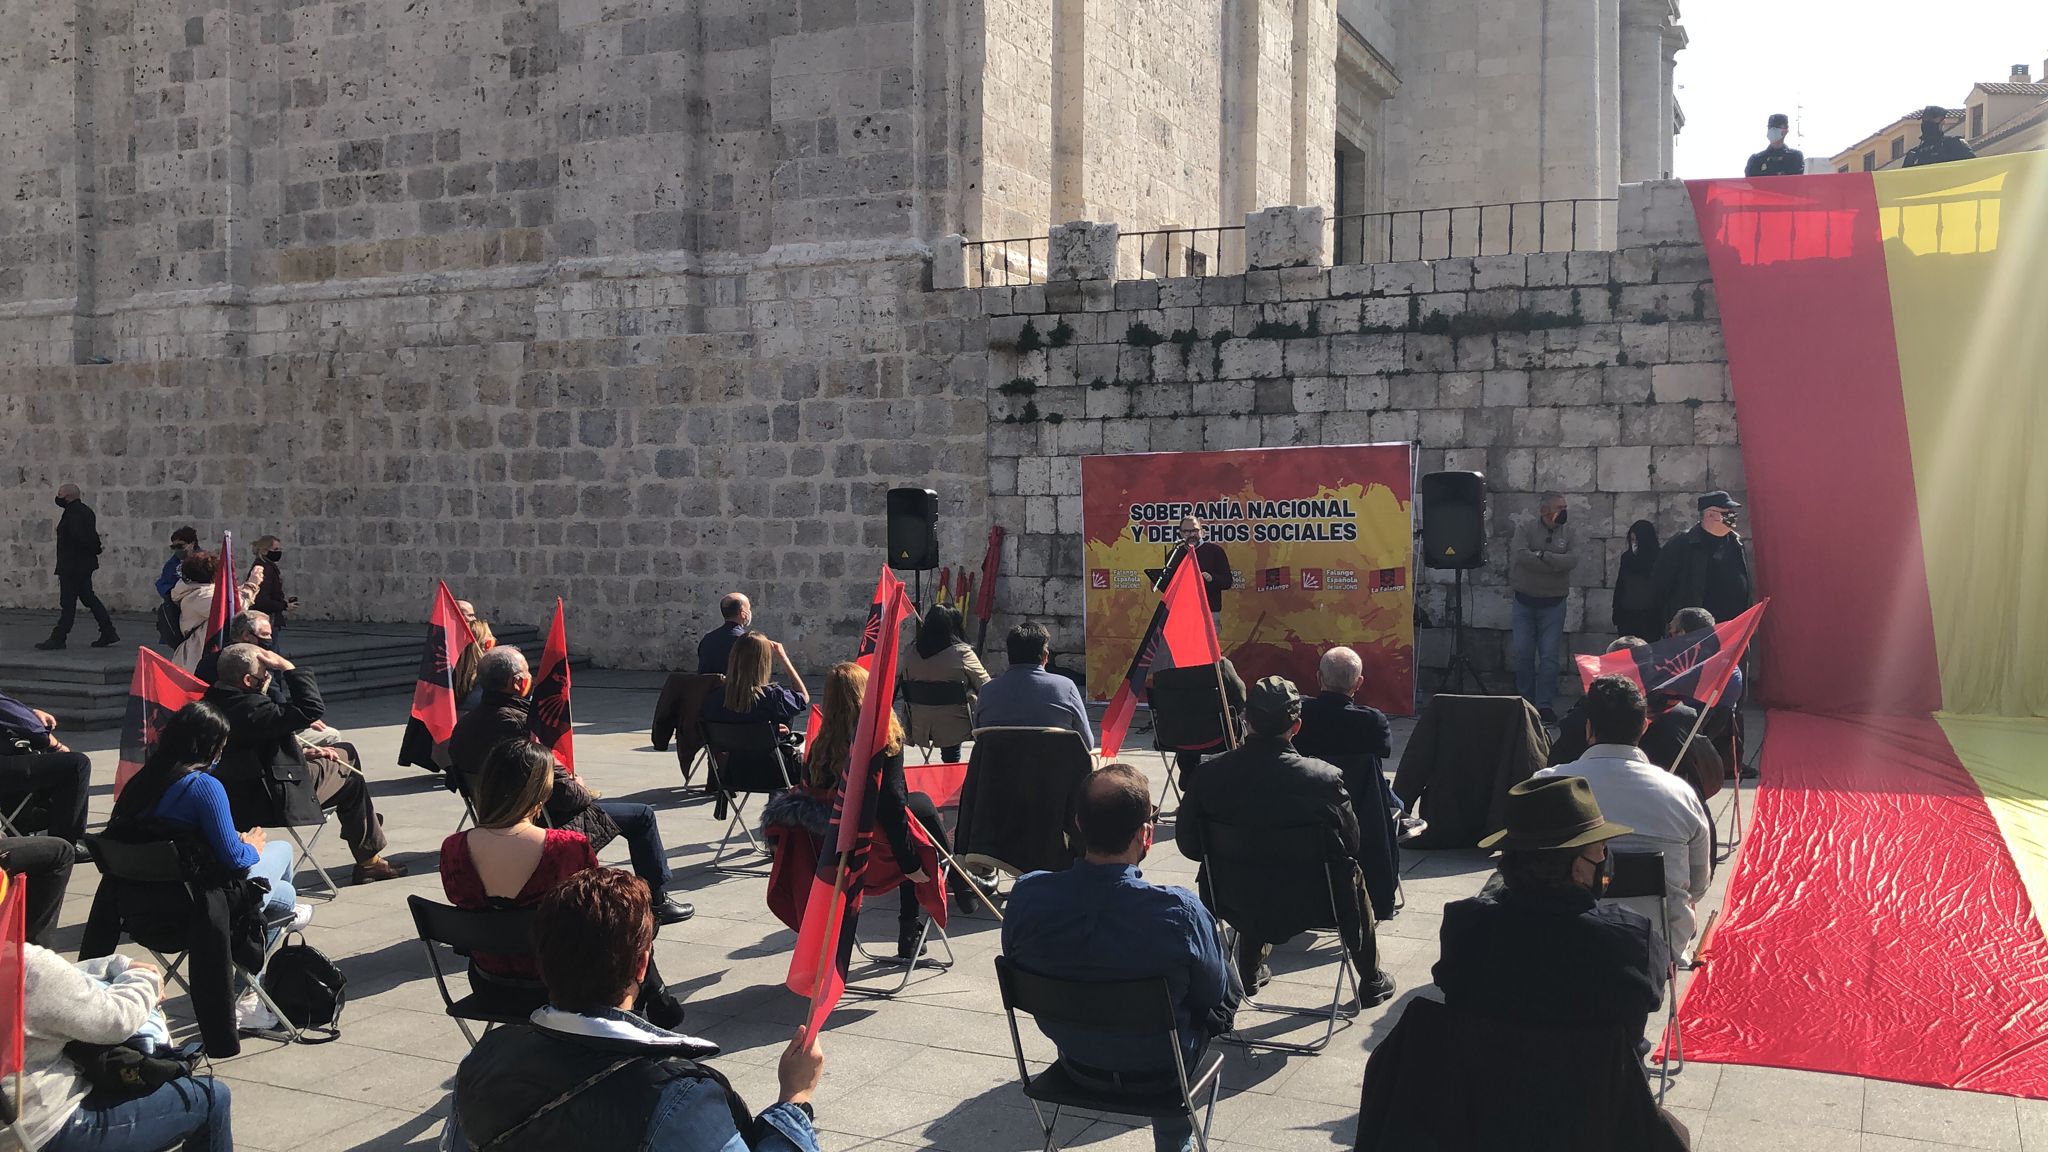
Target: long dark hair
x,y
1642,543
191,741
941,630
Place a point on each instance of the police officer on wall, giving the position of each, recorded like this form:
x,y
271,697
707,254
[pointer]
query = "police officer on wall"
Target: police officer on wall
x,y
1936,146
1776,159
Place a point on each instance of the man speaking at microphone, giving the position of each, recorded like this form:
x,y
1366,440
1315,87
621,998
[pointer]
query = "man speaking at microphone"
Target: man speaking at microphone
x,y
1210,557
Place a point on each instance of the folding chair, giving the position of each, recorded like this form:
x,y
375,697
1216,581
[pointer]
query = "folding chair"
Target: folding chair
x,y
464,931
1132,1007
1189,716
9,825
157,862
1640,875
745,758
932,694
1015,803
677,714
918,960
1241,871
306,860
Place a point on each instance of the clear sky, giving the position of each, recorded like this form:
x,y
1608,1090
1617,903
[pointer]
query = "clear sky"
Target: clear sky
x,y
1841,69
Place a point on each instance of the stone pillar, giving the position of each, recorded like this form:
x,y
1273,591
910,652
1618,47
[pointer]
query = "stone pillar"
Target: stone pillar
x,y
1610,94
1570,129
1069,109
1082,250
1644,122
949,263
1674,39
1290,236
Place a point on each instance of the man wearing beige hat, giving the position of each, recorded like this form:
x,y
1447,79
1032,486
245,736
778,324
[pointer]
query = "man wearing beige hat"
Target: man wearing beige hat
x,y
1536,947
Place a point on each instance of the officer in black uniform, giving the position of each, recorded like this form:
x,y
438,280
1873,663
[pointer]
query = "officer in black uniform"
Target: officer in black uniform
x,y
1936,146
1776,159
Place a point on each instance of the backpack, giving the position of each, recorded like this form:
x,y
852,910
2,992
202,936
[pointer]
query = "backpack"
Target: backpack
x,y
168,633
307,987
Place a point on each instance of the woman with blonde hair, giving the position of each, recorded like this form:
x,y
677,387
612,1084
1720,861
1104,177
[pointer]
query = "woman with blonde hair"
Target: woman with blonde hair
x,y
810,805
751,697
509,861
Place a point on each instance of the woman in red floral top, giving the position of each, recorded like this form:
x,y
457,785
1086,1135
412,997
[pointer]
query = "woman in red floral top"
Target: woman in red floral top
x,y
509,861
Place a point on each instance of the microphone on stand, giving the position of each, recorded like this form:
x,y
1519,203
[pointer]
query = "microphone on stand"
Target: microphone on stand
x,y
1166,573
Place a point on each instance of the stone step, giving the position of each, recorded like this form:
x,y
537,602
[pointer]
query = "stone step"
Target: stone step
x,y
86,687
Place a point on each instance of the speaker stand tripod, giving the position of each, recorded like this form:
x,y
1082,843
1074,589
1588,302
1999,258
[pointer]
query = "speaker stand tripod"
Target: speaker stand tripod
x,y
1460,667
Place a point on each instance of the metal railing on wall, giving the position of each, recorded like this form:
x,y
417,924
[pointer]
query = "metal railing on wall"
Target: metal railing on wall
x,y
1001,263
1168,252
1574,225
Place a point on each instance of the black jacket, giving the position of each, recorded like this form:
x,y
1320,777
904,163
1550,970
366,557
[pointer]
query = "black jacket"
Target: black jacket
x,y
1550,959
270,598
78,540
1265,784
1941,149
1635,598
1215,564
1776,162
501,716
1700,570
263,770
1358,739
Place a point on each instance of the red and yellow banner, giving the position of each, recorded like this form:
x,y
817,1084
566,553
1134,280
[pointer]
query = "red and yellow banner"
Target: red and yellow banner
x,y
1320,543
1886,348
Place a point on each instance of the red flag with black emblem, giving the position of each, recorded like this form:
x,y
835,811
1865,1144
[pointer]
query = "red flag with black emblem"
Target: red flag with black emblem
x,y
817,970
227,597
156,692
1693,668
549,719
433,694
1182,630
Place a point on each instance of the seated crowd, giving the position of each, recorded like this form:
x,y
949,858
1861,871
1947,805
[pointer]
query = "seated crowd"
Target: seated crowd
x,y
600,1063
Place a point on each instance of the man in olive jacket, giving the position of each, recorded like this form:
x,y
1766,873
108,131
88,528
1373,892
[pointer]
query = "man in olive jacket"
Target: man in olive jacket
x,y
78,557
1540,571
265,770
1263,788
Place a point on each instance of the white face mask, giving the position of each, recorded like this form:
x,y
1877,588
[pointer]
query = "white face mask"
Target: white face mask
x,y
1777,135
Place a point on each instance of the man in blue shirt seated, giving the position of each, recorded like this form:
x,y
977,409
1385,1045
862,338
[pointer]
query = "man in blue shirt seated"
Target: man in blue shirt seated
x,y
716,646
1100,920
1028,696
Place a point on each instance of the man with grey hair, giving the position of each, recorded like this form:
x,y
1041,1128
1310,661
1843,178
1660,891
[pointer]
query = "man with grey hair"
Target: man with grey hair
x,y
505,714
1355,737
1540,562
78,557
271,778
253,627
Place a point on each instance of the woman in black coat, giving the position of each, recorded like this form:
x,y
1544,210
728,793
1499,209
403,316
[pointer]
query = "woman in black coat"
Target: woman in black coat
x,y
1635,596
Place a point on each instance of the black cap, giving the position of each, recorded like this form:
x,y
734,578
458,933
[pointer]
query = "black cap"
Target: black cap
x,y
1718,499
1778,120
1273,696
1934,112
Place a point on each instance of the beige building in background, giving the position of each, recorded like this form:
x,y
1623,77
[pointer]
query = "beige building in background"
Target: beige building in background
x,y
1998,117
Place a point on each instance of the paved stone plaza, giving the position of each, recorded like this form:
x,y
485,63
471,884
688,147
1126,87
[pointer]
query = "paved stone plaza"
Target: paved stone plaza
x,y
931,1069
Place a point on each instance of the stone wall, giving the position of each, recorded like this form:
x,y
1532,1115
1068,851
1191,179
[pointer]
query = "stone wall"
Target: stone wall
x,y
1597,374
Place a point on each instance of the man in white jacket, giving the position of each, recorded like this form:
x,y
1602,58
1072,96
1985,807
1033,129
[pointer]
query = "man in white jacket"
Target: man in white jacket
x,y
104,1001
1664,811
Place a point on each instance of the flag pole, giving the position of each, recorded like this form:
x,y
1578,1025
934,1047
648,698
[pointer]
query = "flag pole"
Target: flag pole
x,y
1223,694
825,943
962,870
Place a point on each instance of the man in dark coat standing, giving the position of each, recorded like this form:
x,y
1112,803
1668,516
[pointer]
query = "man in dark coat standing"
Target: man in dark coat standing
x,y
271,777
1265,787
1704,566
1209,557
78,557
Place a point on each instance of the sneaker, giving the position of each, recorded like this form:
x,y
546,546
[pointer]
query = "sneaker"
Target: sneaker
x,y
106,640
253,1015
302,915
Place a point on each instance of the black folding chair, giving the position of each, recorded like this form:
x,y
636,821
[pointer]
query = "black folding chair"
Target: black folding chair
x,y
950,695
1242,870
1132,1007
464,931
930,930
1640,875
1189,716
156,862
745,758
305,857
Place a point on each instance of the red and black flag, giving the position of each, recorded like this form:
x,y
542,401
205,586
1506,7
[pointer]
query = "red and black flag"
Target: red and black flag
x,y
227,598
818,968
433,695
548,721
156,692
1182,630
14,985
1691,669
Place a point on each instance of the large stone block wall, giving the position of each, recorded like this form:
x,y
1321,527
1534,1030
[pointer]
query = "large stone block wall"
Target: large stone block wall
x,y
1600,375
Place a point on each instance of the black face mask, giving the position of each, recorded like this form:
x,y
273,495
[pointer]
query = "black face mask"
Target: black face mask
x,y
274,555
1600,876
177,547
1562,513
1930,130
60,501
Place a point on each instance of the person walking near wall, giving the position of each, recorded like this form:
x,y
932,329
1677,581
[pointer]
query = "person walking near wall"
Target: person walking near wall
x,y
270,597
78,557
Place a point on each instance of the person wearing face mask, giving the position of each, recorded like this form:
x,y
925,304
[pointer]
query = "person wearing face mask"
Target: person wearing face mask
x,y
1540,566
321,739
1536,946
269,775
1663,812
78,557
1704,567
1776,159
270,597
182,541
1936,146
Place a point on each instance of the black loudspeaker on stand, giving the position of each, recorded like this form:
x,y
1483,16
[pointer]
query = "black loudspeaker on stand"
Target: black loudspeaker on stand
x,y
913,515
1454,537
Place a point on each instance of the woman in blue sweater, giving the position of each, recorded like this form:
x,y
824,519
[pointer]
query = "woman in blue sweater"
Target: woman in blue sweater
x,y
174,787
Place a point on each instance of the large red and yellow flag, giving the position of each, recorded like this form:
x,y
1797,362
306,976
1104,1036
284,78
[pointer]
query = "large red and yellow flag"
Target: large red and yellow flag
x,y
1886,352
